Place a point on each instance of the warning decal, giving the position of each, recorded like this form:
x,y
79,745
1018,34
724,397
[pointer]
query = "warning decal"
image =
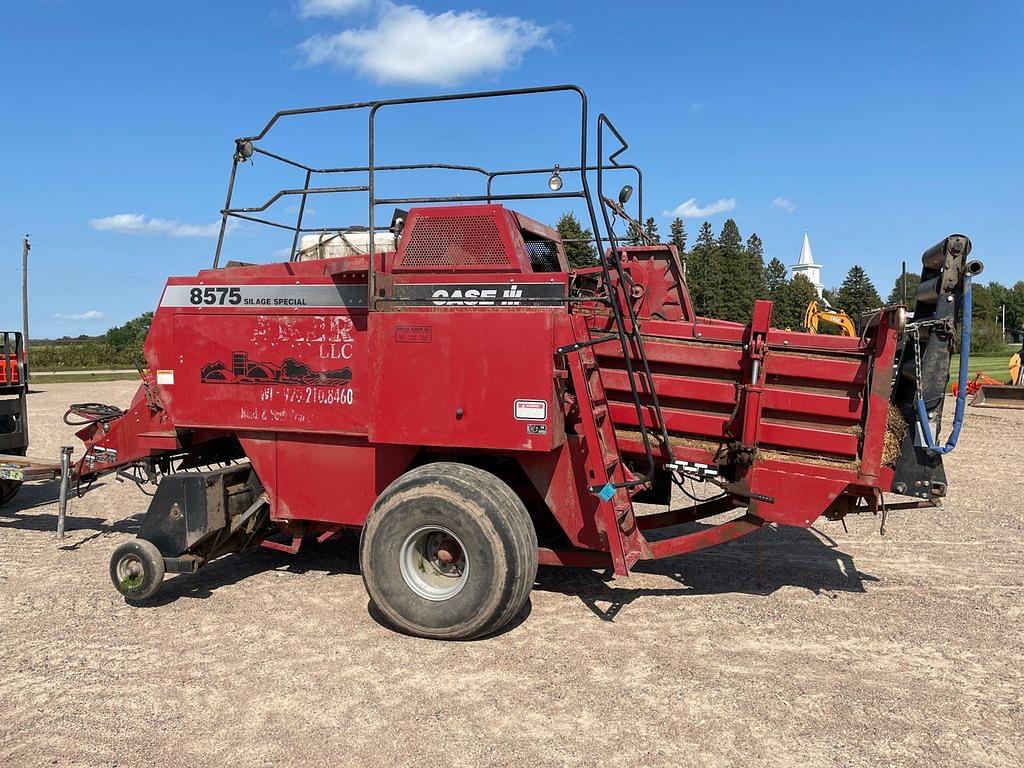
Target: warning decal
x,y
531,410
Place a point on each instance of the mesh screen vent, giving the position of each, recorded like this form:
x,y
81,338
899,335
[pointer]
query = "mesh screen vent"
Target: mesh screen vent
x,y
454,242
543,255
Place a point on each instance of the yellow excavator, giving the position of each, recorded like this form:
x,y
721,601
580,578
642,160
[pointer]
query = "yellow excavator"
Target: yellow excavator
x,y
817,314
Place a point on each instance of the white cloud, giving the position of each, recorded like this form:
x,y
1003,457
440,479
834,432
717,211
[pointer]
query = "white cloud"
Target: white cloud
x,y
92,314
698,106
691,210
412,46
312,8
783,203
139,224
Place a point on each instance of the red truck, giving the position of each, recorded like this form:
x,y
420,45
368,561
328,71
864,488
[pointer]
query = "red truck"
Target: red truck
x,y
474,407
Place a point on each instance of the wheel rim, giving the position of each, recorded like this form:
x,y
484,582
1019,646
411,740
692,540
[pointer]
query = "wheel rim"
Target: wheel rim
x,y
434,563
131,572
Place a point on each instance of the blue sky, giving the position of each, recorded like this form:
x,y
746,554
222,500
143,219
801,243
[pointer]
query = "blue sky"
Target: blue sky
x,y
878,127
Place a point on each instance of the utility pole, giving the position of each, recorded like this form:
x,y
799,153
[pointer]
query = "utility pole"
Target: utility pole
x,y
1003,308
25,248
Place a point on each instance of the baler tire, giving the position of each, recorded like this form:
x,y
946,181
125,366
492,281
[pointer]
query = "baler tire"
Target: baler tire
x,y
486,518
142,554
8,490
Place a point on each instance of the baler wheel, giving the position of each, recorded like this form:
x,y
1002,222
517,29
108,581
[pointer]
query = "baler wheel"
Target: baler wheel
x,y
137,569
8,490
448,552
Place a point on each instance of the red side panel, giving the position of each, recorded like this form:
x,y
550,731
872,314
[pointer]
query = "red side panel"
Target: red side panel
x,y
801,492
811,401
463,378
561,479
243,370
334,479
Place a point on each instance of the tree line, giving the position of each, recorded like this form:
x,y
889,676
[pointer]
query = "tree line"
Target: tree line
x,y
990,302
725,274
120,347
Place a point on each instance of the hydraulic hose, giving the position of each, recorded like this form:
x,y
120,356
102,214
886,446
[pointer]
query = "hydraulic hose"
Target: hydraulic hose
x,y
91,413
961,395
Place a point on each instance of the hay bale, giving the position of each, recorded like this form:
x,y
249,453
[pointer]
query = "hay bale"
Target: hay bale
x,y
895,431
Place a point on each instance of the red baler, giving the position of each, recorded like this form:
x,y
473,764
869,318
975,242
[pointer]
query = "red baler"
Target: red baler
x,y
476,408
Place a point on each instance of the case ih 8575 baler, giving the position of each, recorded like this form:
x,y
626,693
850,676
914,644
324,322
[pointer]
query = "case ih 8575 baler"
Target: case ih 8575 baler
x,y
475,407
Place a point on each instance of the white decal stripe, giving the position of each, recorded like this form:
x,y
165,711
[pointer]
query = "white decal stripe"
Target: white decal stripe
x,y
264,296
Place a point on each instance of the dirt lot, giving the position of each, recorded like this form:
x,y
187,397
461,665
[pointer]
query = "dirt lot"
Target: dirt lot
x,y
790,647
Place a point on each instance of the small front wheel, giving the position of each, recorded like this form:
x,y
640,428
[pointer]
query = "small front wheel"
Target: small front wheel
x,y
137,569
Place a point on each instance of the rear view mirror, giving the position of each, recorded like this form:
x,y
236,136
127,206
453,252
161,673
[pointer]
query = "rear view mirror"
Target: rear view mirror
x,y
624,194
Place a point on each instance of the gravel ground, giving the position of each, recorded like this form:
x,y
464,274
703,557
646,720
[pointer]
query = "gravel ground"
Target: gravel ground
x,y
789,647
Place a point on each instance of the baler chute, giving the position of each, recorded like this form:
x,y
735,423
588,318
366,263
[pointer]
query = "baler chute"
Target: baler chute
x,y
475,408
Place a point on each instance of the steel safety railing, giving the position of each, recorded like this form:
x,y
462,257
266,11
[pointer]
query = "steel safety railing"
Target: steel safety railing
x,y
246,147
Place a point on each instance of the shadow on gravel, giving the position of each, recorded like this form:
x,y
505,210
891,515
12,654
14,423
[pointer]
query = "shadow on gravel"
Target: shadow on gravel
x,y
338,556
524,613
35,495
758,564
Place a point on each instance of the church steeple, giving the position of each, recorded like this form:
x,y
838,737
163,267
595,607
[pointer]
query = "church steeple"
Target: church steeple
x,y
805,265
806,259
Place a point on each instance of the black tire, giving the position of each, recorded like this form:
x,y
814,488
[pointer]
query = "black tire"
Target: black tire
x,y
137,569
491,530
9,488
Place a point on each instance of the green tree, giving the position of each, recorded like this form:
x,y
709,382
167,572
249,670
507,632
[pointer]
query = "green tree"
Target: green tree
x,y
983,303
735,298
896,294
791,305
987,338
126,340
857,294
774,278
579,248
702,271
1015,307
634,235
677,236
754,253
1012,299
1001,297
651,230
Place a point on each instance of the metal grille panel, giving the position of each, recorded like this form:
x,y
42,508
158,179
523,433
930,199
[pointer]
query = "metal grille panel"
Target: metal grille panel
x,y
543,256
462,241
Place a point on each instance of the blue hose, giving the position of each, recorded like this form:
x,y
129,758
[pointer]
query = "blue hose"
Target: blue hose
x,y
961,395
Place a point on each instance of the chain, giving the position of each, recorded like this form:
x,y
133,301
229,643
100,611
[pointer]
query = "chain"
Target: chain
x,y
915,335
914,331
